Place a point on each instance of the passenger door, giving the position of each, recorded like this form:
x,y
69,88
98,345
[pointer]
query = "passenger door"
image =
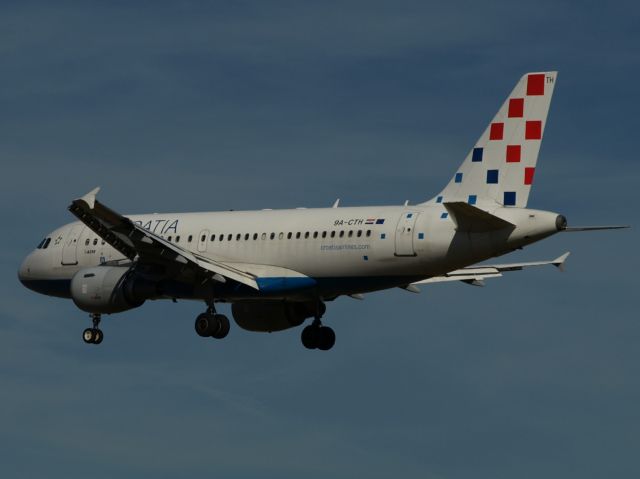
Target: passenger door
x,y
70,247
405,234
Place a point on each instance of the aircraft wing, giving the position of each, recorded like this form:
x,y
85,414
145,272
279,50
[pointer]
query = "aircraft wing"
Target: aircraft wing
x,y
476,275
136,243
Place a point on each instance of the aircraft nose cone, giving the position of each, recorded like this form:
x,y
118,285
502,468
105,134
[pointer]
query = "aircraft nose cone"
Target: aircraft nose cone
x,y
25,270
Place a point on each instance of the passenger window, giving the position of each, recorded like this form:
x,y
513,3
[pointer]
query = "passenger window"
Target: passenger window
x,y
178,239
341,233
238,237
255,236
246,236
315,234
368,233
168,239
289,235
333,234
95,241
272,235
306,235
324,234
221,237
298,235
202,238
359,233
190,239
350,233
229,237
213,237
281,236
86,243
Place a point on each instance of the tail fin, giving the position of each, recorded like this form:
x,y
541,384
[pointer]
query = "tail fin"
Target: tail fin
x,y
500,167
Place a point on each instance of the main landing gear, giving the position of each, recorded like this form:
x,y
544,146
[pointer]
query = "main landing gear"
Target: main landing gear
x,y
93,335
317,336
212,325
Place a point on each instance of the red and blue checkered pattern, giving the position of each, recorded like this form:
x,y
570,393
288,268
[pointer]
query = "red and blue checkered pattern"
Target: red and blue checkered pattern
x,y
501,166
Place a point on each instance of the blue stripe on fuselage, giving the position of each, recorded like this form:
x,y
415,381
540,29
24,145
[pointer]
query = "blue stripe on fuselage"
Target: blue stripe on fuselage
x,y
284,284
269,287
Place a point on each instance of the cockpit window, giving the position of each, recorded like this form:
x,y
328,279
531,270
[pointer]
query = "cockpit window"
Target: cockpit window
x,y
46,243
41,244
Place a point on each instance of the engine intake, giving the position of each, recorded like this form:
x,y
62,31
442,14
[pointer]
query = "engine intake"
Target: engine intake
x,y
109,289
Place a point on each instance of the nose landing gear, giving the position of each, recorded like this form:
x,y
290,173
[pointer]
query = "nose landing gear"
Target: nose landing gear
x,y
93,335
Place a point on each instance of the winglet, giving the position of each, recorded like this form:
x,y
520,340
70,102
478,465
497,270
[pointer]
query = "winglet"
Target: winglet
x,y
90,198
559,261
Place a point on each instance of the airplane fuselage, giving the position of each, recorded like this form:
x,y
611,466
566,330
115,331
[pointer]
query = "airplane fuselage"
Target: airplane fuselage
x,y
337,251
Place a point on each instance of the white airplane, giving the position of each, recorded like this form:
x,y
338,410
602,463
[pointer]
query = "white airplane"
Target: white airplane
x,y
278,268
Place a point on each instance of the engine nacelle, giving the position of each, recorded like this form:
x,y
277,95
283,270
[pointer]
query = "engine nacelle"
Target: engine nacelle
x,y
108,289
268,316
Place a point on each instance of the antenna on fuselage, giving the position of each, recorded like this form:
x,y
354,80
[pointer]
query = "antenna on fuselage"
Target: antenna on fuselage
x,y
336,204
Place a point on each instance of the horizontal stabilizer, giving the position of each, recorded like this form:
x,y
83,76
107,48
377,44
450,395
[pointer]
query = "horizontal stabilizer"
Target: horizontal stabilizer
x,y
468,218
475,275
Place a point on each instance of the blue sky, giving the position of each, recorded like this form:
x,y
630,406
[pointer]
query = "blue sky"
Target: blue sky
x,y
246,105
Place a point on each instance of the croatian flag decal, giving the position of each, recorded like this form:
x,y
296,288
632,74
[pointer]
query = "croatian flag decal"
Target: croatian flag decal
x,y
374,221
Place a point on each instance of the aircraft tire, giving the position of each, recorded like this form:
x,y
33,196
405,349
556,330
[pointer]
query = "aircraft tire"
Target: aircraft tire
x,y
98,336
203,325
88,335
310,336
223,326
326,338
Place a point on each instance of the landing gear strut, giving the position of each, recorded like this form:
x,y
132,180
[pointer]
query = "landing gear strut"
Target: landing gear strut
x,y
317,336
212,325
93,335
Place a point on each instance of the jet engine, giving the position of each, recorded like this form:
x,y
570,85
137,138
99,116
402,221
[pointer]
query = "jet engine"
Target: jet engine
x,y
110,289
268,316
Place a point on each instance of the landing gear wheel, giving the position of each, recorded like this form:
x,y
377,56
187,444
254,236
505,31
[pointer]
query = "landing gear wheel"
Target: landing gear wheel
x,y
326,338
310,337
223,326
92,336
87,335
317,336
212,325
203,324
